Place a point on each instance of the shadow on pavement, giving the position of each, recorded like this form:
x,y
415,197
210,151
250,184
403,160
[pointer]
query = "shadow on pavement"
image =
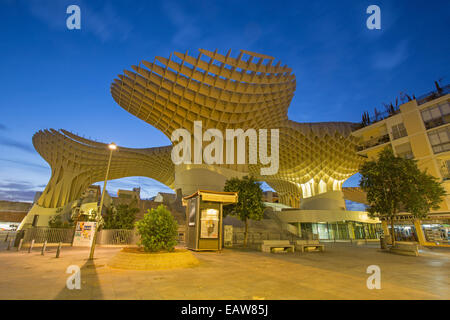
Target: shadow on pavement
x,y
90,285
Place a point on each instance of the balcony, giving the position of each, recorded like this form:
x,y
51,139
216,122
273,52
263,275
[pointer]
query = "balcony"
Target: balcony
x,y
438,148
436,122
374,142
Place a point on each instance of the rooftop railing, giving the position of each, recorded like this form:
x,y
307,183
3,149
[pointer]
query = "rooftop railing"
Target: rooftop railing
x,y
433,95
378,116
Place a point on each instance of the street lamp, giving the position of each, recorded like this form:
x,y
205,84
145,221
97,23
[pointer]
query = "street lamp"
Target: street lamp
x,y
112,146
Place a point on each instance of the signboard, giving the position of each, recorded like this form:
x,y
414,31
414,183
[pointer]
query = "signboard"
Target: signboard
x,y
209,224
228,235
84,234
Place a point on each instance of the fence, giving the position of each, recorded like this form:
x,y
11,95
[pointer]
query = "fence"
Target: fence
x,y
128,237
51,235
117,237
433,95
65,235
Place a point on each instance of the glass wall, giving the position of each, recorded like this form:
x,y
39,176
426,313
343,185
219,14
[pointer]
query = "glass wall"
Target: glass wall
x,y
340,230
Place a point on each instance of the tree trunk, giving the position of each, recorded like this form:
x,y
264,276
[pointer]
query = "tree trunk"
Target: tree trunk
x,y
392,231
246,232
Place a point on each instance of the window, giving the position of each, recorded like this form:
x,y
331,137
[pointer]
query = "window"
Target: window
x,y
192,211
436,115
209,224
440,140
445,169
404,151
399,131
35,220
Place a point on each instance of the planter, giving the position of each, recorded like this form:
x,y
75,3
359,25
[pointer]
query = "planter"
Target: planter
x,y
137,259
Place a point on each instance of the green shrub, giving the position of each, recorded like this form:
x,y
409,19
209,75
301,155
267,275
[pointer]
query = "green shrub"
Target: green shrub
x,y
158,230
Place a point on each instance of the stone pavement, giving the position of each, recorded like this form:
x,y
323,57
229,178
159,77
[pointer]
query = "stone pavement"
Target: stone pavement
x,y
337,273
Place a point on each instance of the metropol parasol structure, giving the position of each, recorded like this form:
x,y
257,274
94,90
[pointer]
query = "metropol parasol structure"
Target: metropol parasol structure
x,y
224,92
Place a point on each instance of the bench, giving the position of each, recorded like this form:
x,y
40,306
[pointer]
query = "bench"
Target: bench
x,y
277,246
405,248
302,244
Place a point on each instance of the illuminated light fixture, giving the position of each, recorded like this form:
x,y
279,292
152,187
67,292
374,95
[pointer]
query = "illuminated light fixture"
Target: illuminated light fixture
x,y
112,146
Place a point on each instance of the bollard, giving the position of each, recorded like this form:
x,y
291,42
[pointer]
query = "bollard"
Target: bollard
x,y
20,245
43,247
9,244
31,246
58,250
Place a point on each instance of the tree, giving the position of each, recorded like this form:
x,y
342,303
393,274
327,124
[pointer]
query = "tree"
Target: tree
x,y
249,205
57,222
394,184
158,230
120,217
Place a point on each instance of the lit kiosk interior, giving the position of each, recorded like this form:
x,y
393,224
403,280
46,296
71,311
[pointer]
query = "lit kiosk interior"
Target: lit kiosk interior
x,y
204,211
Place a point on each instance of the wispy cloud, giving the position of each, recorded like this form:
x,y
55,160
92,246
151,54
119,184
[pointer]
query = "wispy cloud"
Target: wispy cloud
x,y
391,58
185,24
18,190
24,163
106,23
8,142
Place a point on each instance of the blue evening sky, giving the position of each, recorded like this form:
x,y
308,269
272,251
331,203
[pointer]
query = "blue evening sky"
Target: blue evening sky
x,y
52,77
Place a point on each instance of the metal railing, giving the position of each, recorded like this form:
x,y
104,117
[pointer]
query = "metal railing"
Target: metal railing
x,y
117,237
374,142
436,122
65,235
51,235
430,96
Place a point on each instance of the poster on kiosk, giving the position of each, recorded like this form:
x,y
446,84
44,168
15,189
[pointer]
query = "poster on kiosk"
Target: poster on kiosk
x,y
84,234
204,212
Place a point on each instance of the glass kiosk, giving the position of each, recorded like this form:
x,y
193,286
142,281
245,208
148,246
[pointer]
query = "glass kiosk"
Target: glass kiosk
x,y
204,211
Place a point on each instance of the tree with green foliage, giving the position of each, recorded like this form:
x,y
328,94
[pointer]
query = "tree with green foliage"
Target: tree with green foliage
x,y
158,230
120,217
394,184
57,222
249,205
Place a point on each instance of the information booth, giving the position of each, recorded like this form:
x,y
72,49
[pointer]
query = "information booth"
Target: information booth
x,y
204,211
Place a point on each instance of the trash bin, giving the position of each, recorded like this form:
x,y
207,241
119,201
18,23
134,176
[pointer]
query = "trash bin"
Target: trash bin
x,y
383,243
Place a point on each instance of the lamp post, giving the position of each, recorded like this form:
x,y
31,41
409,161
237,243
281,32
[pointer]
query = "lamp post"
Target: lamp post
x,y
112,146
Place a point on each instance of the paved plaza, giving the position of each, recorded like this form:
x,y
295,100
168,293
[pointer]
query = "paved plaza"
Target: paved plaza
x,y
337,273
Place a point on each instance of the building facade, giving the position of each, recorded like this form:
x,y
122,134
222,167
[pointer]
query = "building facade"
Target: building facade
x,y
419,129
